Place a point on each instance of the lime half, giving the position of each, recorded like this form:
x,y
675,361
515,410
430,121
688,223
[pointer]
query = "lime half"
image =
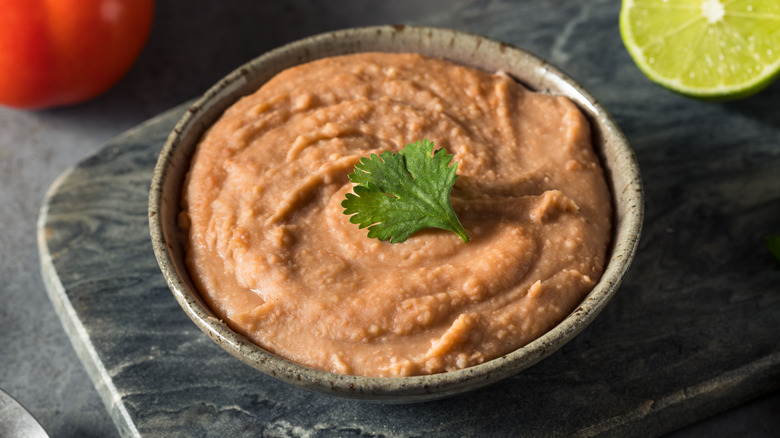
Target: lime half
x,y
710,49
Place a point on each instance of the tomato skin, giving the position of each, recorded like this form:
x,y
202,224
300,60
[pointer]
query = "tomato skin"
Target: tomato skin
x,y
62,52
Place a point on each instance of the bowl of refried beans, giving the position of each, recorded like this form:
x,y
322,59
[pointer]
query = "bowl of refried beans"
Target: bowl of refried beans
x,y
249,228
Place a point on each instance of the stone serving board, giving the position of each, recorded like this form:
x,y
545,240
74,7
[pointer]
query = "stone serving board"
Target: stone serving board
x,y
692,331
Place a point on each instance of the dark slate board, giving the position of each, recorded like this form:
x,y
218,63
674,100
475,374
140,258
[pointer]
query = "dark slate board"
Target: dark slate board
x,y
692,331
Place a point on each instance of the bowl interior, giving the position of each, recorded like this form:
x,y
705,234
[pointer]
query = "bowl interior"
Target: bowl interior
x,y
472,50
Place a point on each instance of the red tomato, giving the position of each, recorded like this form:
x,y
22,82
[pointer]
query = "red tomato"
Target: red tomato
x,y
61,52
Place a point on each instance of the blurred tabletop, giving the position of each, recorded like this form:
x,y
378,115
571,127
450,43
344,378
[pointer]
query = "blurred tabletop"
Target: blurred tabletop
x,y
191,46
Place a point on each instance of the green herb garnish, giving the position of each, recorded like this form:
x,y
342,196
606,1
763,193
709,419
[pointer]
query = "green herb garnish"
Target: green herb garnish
x,y
773,244
398,194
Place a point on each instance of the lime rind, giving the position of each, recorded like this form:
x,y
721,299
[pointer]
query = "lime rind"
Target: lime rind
x,y
723,56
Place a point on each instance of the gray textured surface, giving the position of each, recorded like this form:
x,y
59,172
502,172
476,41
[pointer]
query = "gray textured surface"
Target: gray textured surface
x,y
709,247
666,352
16,421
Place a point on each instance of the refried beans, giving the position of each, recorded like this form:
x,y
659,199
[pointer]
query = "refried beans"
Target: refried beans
x,y
275,257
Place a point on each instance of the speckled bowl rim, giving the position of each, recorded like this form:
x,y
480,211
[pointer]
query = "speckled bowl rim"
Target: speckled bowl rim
x,y
461,47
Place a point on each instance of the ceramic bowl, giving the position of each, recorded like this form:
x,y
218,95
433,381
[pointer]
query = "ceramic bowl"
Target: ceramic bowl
x,y
464,48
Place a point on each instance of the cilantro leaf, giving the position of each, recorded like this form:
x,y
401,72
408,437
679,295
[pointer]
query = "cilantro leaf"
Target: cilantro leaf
x,y
773,244
398,194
